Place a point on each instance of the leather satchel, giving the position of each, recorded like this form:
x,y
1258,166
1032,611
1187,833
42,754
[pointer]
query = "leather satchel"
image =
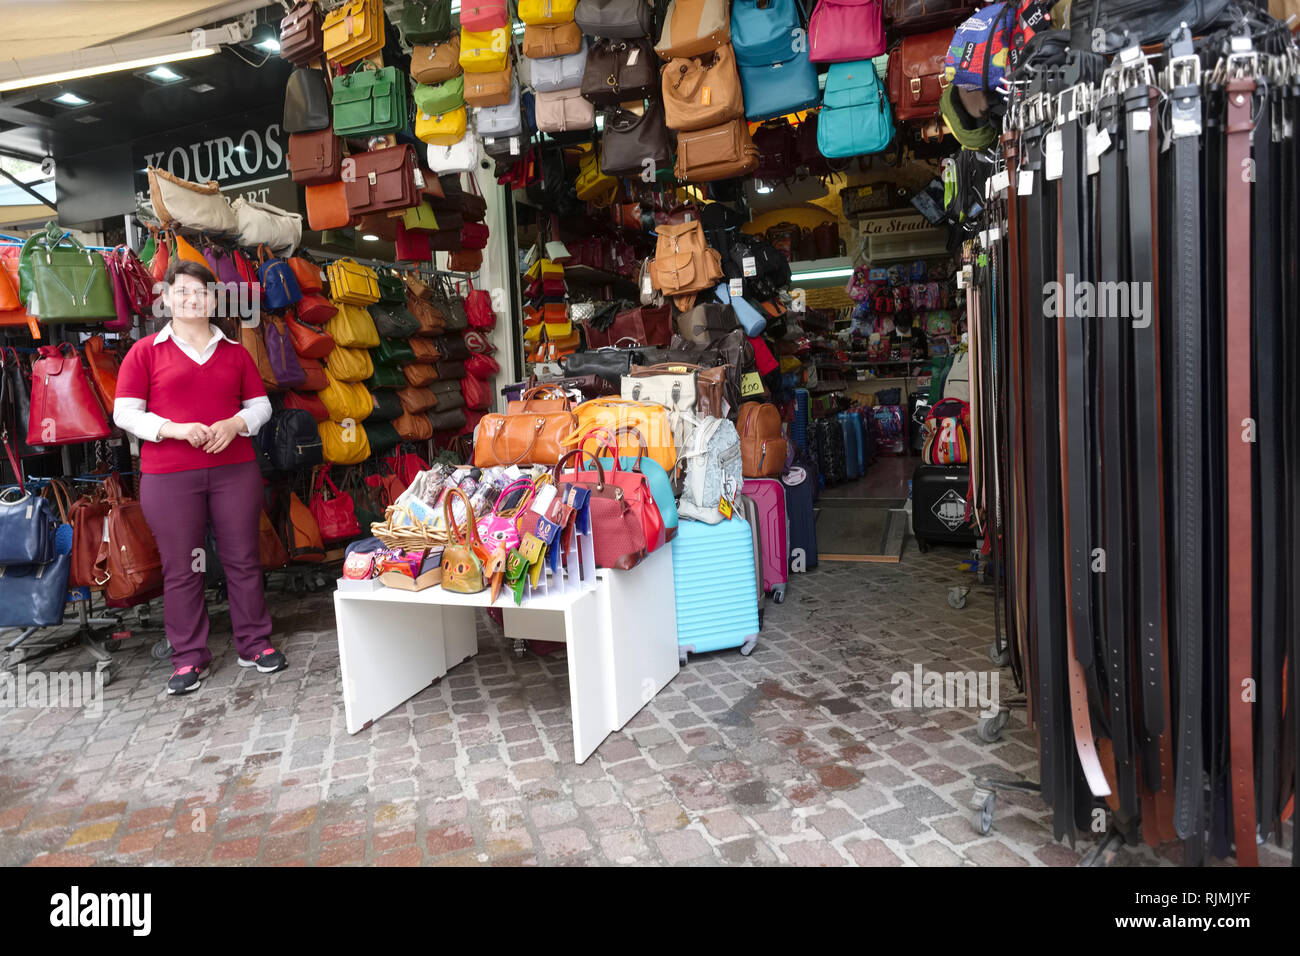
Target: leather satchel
x,y
385,179
335,514
720,152
64,409
916,75
301,34
614,18
629,140
702,91
315,158
63,281
127,564
919,16
529,438
306,102
370,102
620,70
87,519
353,31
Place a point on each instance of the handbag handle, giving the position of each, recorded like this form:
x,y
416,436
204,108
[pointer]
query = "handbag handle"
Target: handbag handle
x,y
608,443
541,391
558,471
60,495
537,433
523,503
472,539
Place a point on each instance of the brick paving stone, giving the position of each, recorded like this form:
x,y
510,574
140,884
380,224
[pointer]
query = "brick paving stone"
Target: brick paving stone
x,y
813,853
664,816
895,824
994,853
872,853
922,801
833,823
567,842
933,853
725,824
680,846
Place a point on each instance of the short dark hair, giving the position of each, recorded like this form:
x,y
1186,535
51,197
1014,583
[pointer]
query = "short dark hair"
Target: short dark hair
x,y
188,267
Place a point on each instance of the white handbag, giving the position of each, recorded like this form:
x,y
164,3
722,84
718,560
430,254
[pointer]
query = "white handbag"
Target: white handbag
x,y
462,157
675,391
263,224
179,202
558,72
560,111
499,122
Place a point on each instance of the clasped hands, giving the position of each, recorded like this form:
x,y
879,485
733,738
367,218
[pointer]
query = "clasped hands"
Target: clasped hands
x,y
211,438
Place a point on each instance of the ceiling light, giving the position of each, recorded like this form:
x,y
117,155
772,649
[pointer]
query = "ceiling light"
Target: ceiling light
x,y
71,99
370,237
823,274
202,87
164,74
117,57
269,45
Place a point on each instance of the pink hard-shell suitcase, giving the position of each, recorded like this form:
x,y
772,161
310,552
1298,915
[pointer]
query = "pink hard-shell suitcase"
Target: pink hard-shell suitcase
x,y
768,494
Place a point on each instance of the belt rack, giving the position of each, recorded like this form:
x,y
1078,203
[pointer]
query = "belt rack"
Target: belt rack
x,y
1141,251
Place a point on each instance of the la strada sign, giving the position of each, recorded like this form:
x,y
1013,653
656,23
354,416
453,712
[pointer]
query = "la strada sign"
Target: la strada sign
x,y
249,160
887,224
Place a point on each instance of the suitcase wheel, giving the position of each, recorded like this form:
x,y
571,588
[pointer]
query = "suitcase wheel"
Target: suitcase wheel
x,y
748,647
778,594
161,650
957,598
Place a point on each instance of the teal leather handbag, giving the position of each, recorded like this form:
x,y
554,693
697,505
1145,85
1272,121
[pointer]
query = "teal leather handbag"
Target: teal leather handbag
x,y
370,102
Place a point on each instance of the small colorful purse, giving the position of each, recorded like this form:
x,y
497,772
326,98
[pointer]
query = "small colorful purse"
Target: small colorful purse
x,y
462,561
500,529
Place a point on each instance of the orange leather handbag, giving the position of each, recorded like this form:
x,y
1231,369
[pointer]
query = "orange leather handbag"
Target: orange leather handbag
x,y
327,206
103,370
311,278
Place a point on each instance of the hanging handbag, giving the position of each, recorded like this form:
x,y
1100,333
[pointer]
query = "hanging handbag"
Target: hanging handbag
x,y
559,72
426,21
413,426
253,341
308,402
476,392
302,34
484,51
314,377
459,158
615,18
464,555
481,367
484,90
284,360
351,282
27,526
412,245
917,75
702,91
87,519
393,321
562,111
434,64
262,223
617,529
271,553
315,158
349,364
844,30
309,342
478,308
629,141
416,399
388,406
499,114
384,179
60,280
385,376
546,11
311,278
301,536
64,409
433,321
353,31
544,41
335,513
445,129
642,326
327,206
127,564
720,152
103,371
346,400
620,70
540,399
693,28
484,14
441,97
343,443
370,102
855,118
306,106
34,595
465,260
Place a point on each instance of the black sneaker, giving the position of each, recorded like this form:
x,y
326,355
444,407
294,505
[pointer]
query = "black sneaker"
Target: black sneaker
x,y
267,662
185,680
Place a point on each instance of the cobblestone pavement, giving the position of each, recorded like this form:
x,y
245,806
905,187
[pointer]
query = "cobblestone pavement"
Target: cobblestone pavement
x,y
794,755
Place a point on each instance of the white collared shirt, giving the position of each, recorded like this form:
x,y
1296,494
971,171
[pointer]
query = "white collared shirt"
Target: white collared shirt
x,y
131,414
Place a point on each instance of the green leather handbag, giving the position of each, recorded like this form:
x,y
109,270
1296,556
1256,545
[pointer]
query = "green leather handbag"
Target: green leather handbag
x,y
370,102
391,288
420,217
60,280
386,376
392,352
438,98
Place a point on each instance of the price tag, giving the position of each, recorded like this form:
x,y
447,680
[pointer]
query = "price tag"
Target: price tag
x,y
1000,181
514,145
632,56
1092,149
706,95
749,266
1025,182
1141,121
1053,156
646,287
724,506
736,287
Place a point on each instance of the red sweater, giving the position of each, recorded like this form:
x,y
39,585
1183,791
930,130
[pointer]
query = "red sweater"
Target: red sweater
x,y
176,387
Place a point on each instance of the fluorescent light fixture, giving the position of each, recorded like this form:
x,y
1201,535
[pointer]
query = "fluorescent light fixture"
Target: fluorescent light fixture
x,y
71,99
269,45
118,57
164,74
824,274
370,237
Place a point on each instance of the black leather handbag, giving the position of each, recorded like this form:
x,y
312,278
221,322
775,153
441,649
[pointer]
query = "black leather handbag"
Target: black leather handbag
x,y
620,70
306,102
387,406
629,140
394,321
609,364
615,18
445,421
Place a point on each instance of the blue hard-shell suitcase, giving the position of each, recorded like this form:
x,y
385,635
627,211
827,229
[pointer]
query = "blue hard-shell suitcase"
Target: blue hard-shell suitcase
x,y
852,446
715,584
800,486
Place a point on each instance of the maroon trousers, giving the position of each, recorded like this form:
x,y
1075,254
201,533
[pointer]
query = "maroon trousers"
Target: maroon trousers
x,y
179,507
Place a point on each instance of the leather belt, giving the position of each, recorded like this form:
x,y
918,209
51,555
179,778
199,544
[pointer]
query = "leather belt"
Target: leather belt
x,y
1240,478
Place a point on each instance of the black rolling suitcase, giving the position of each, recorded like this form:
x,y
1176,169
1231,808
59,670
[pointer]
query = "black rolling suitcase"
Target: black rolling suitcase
x,y
800,482
939,505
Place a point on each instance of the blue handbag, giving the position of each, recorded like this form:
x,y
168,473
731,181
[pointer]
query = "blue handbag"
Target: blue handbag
x,y
26,528
279,285
855,118
775,89
762,32
751,319
33,595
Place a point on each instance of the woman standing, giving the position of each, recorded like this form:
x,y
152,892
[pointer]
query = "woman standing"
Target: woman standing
x,y
193,396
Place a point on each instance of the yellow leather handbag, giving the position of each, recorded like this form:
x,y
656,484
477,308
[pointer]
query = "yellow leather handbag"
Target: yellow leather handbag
x,y
343,444
420,217
352,282
446,129
534,12
648,418
594,185
346,400
352,327
354,31
349,365
485,51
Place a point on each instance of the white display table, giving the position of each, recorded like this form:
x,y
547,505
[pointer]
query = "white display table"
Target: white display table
x,y
621,638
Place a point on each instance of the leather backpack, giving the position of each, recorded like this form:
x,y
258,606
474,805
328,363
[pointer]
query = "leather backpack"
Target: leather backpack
x,y
300,533
291,440
306,102
916,75
315,158
702,91
719,152
64,409
778,152
684,264
762,449
127,564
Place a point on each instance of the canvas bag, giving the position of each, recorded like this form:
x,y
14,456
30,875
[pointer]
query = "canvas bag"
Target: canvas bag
x,y
855,118
263,224
713,470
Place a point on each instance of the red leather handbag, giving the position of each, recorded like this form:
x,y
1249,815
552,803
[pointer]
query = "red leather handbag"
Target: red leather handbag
x,y
473,235
478,309
311,277
64,409
617,501
478,393
652,519
335,515
406,465
315,308
309,342
412,244
308,402
315,379
481,366
385,179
